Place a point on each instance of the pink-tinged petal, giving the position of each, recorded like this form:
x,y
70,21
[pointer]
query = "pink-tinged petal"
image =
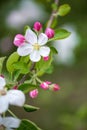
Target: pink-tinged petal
x,y
49,32
33,93
35,56
44,51
10,122
30,36
56,87
37,26
25,50
3,104
42,39
19,40
16,97
44,85
2,82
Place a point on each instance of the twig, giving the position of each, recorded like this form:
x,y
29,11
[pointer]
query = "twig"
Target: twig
x,y
52,15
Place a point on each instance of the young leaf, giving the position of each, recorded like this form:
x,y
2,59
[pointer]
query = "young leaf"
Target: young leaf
x,y
11,60
53,50
23,67
30,108
1,63
64,9
26,87
28,125
42,66
60,34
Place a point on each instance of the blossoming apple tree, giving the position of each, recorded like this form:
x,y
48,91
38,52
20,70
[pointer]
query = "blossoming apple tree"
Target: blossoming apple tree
x,y
24,68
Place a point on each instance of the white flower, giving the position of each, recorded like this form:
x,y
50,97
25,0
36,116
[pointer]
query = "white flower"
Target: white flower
x,y
13,97
34,45
8,123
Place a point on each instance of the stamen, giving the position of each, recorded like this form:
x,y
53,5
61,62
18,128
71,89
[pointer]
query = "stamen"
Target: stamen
x,y
36,46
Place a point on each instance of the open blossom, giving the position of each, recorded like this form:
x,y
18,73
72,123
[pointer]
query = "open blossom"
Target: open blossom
x,y
45,85
49,32
37,26
8,123
33,93
13,97
34,46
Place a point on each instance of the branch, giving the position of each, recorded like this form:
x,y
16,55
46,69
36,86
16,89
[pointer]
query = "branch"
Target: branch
x,y
52,15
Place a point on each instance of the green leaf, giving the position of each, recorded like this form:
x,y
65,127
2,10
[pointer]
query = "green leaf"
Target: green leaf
x,y
42,66
53,50
50,69
64,9
13,58
1,63
60,34
23,67
26,87
28,125
26,27
30,108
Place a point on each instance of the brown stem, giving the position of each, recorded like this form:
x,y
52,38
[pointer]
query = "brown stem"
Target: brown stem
x,y
25,76
52,15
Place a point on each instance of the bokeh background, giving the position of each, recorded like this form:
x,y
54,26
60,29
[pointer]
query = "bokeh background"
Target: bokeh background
x,y
66,109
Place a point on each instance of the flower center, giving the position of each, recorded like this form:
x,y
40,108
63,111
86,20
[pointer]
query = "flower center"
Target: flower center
x,y
36,46
2,92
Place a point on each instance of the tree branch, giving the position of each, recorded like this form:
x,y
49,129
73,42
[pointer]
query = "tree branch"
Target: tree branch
x,y
52,15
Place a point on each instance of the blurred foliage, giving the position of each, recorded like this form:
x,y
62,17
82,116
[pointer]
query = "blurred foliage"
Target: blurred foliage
x,y
67,109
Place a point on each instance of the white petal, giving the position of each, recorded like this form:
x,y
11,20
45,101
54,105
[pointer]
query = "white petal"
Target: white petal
x,y
25,49
2,82
16,97
44,51
35,56
3,103
30,36
11,122
42,39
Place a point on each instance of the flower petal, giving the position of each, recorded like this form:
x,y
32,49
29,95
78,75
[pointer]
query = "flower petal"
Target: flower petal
x,y
3,103
42,39
11,122
44,51
25,49
16,97
30,36
35,56
2,82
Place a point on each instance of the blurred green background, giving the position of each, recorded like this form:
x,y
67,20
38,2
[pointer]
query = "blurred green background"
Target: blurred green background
x,y
66,109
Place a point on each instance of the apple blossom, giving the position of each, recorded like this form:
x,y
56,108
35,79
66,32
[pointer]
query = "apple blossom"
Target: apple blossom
x,y
19,40
8,123
33,93
37,26
13,97
45,85
54,87
34,46
49,32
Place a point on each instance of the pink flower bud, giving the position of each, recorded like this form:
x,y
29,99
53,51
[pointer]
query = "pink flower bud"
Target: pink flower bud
x,y
19,40
15,87
2,76
46,58
37,26
56,87
33,93
49,32
45,85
